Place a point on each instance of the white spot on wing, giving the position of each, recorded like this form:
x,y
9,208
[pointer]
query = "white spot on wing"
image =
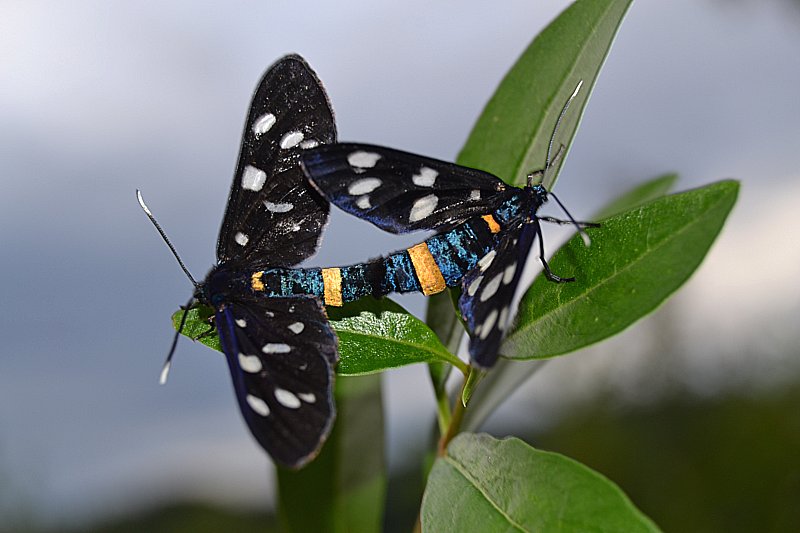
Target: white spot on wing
x,y
475,194
240,238
473,287
264,123
423,207
241,322
508,275
425,178
253,179
276,347
258,405
491,287
502,324
309,143
364,186
362,159
307,397
250,363
287,399
488,324
486,260
363,202
291,139
278,208
297,327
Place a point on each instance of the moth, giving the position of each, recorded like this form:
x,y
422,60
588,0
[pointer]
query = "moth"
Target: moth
x,y
281,351
485,227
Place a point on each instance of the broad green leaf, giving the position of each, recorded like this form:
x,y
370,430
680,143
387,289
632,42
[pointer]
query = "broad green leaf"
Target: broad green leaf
x,y
508,375
647,191
635,261
198,325
376,335
511,136
490,485
344,488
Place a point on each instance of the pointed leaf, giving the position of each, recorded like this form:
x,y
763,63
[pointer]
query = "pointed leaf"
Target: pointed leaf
x,y
508,375
636,260
375,335
485,484
647,191
511,136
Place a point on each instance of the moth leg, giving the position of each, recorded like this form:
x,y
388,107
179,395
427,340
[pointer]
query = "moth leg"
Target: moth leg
x,y
578,222
547,272
210,331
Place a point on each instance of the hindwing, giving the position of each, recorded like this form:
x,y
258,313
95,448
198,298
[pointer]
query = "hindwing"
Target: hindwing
x,y
487,292
281,353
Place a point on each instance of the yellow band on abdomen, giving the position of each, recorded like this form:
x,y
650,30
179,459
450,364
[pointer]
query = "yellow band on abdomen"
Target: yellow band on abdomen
x,y
494,227
332,282
428,273
255,281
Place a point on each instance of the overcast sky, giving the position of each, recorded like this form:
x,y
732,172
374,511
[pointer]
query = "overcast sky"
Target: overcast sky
x,y
99,98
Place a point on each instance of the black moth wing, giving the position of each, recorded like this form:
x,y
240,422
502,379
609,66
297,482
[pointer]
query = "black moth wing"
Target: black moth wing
x,y
487,292
398,191
281,353
273,217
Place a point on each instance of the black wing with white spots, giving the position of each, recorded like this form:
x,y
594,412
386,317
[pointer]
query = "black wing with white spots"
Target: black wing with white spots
x,y
488,290
272,212
398,191
281,353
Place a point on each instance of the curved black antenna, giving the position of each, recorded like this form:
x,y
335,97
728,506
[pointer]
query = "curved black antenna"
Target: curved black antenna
x,y
164,236
548,162
168,363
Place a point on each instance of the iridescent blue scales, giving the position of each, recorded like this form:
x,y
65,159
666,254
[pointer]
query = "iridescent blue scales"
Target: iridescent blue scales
x,y
270,315
486,232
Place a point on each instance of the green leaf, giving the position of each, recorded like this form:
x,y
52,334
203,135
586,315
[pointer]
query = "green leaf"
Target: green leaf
x,y
507,375
474,377
376,335
511,136
198,325
490,485
647,191
344,488
635,261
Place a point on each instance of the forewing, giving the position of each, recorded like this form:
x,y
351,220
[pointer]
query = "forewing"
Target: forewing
x,y
281,353
273,216
488,290
398,191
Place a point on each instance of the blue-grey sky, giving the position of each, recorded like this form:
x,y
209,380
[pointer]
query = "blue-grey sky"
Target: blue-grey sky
x,y
99,98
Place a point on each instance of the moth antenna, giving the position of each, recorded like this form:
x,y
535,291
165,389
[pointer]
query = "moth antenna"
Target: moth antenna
x,y
587,241
168,363
166,240
548,162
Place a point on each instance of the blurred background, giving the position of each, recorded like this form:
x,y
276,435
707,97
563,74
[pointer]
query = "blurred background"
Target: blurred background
x,y
694,411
